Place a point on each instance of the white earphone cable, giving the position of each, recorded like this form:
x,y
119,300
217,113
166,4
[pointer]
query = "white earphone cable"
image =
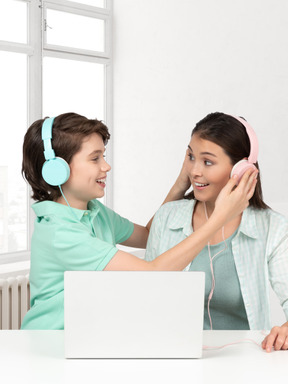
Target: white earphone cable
x,y
211,267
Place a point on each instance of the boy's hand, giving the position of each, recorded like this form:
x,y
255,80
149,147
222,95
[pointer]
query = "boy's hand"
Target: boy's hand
x,y
233,199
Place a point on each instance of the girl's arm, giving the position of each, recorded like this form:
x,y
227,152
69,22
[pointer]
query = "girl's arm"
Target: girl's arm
x,y
230,203
139,237
278,272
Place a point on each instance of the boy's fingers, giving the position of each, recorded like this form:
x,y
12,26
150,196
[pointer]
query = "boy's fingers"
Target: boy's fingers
x,y
246,179
251,184
247,183
231,183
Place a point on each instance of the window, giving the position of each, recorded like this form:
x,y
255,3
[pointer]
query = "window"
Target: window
x,y
13,21
13,191
59,61
61,31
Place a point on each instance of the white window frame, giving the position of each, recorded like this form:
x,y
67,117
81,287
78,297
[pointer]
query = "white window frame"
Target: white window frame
x,y
36,49
96,13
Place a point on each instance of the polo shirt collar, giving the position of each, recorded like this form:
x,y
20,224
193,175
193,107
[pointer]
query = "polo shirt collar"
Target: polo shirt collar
x,y
48,208
183,219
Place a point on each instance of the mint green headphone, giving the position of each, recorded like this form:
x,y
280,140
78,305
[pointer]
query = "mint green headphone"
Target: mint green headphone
x,y
55,170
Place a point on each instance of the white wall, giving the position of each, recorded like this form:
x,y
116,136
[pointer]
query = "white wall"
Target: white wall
x,y
176,61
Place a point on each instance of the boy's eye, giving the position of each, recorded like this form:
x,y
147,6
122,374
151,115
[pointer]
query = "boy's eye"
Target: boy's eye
x,y
191,157
98,158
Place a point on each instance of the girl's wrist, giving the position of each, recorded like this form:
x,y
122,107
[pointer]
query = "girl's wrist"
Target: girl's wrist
x,y
175,193
182,185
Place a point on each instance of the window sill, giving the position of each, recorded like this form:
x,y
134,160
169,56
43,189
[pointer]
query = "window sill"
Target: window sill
x,y
14,269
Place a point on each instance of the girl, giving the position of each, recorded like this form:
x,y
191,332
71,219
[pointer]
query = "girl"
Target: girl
x,y
243,255
74,231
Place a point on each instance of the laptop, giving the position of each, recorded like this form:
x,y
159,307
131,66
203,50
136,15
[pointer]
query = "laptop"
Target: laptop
x,y
143,314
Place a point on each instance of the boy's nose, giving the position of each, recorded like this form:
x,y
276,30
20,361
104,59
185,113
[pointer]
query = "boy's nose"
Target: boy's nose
x,y
105,166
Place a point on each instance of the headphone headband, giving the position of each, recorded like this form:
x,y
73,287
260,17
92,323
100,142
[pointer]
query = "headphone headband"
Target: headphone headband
x,y
254,146
46,137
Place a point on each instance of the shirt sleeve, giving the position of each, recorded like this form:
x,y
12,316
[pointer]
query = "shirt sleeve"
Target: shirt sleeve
x,y
278,271
153,243
78,249
121,227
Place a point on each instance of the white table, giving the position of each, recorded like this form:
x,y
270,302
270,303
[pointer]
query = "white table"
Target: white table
x,y
38,357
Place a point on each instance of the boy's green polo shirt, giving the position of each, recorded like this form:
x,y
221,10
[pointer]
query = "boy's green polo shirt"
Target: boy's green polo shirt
x,y
65,241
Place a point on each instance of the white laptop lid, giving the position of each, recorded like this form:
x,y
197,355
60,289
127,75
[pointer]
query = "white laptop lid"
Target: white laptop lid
x,y
113,314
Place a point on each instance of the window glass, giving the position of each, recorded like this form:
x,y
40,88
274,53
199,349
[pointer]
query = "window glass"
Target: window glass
x,y
68,85
13,21
75,31
13,189
73,86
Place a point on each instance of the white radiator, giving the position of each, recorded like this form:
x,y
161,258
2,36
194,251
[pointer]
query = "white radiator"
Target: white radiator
x,y
14,301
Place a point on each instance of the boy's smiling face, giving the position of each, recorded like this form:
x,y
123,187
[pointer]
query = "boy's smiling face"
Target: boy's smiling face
x,y
88,172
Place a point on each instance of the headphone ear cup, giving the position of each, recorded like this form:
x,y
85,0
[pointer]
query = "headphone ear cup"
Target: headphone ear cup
x,y
56,171
241,167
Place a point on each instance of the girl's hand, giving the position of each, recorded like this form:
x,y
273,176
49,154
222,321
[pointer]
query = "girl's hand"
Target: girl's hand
x,y
183,182
233,199
277,338
181,185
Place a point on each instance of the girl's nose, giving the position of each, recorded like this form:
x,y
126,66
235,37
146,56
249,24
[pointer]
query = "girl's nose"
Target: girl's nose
x,y
196,170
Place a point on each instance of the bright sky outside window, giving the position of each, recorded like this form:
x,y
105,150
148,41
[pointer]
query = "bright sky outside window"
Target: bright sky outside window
x,y
76,31
13,21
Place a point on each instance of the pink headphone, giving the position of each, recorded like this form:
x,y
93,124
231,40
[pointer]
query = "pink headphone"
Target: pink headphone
x,y
243,165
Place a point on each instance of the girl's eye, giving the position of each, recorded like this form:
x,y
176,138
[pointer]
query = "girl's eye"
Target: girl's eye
x,y
191,157
208,163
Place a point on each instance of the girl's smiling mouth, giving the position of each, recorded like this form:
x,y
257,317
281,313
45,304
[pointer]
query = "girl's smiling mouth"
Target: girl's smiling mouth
x,y
200,186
